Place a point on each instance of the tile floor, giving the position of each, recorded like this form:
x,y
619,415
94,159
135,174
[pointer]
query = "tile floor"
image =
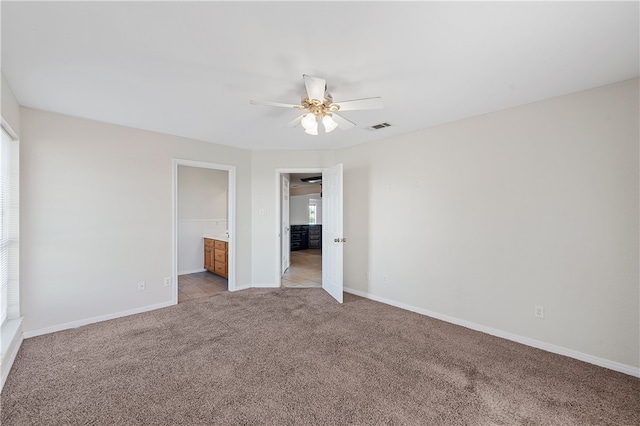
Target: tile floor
x,y
200,284
305,270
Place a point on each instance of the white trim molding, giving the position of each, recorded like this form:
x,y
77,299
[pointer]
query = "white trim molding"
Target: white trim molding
x,y
191,271
601,362
92,320
11,341
265,285
241,287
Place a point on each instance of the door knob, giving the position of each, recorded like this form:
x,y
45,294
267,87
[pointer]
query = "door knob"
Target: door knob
x,y
336,240
344,240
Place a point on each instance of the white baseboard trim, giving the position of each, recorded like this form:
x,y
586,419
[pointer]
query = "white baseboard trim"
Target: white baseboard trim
x,y
87,321
11,341
601,362
265,285
241,287
191,271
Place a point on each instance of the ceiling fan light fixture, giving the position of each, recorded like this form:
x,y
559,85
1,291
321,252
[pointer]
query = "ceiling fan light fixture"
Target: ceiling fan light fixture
x,y
309,121
317,104
312,131
329,124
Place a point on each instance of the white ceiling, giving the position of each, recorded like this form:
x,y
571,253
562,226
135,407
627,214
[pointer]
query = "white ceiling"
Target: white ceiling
x,y
190,69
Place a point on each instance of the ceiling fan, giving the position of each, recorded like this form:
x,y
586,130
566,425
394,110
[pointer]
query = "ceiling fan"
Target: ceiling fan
x,y
318,107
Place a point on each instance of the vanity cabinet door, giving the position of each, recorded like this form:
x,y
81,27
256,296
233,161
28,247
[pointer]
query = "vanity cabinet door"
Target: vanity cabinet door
x,y
216,257
208,255
220,256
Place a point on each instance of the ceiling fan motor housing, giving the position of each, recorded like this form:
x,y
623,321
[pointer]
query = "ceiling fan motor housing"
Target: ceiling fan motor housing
x,y
328,99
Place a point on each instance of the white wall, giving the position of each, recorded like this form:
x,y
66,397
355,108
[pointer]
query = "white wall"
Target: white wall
x,y
202,210
483,219
299,209
10,108
96,216
265,238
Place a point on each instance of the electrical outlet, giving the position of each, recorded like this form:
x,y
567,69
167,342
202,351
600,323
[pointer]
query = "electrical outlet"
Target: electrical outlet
x,y
385,279
167,281
142,286
538,312
368,276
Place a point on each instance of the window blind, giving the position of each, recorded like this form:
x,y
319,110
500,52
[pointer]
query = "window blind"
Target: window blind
x,y
9,227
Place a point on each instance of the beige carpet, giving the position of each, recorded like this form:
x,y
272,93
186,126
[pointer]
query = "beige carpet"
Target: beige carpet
x,y
291,356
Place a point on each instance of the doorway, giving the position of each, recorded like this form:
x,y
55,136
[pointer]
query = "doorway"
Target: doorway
x,y
203,212
300,265
302,230
317,243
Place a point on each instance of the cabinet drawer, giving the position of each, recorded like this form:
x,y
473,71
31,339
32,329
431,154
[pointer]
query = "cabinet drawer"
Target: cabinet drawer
x,y
208,243
220,256
220,245
220,269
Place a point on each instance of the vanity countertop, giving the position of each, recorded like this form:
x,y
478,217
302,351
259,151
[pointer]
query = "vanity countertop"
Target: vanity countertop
x,y
217,237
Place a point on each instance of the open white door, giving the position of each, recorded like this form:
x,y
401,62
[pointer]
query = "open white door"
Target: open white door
x,y
286,229
332,237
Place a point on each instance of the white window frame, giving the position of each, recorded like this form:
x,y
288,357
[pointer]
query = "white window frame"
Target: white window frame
x,y
10,226
315,213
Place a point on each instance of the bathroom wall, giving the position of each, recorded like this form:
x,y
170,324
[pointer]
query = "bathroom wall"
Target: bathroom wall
x,y
202,210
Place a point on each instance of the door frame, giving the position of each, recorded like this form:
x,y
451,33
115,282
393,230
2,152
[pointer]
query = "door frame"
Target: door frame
x,y
231,214
278,215
285,177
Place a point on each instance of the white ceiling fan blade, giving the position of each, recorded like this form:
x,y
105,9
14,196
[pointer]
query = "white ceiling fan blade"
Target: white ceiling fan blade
x,y
343,123
275,104
295,122
315,87
366,103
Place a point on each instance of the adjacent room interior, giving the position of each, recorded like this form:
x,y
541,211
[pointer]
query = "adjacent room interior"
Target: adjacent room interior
x,y
203,232
304,269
